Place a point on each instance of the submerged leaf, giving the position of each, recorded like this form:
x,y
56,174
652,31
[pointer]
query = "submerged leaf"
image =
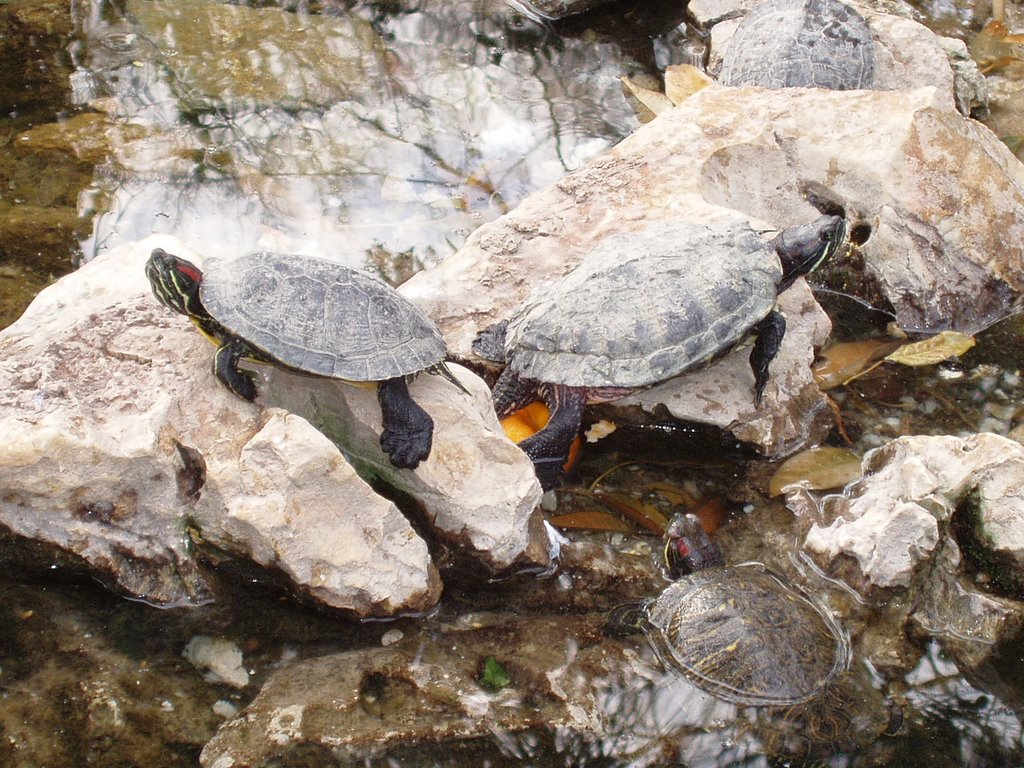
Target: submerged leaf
x,y
711,512
941,347
641,513
591,520
493,675
684,80
817,469
995,46
843,362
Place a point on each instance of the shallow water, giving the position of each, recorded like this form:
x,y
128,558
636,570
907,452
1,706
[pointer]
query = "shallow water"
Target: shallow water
x,y
382,141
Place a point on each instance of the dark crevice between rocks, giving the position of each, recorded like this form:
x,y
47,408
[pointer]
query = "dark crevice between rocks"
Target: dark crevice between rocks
x,y
989,568
191,475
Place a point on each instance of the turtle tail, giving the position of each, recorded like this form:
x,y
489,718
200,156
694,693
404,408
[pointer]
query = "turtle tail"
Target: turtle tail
x,y
442,369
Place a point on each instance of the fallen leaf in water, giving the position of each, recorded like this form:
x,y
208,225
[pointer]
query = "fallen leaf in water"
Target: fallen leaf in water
x,y
641,513
841,363
591,520
493,675
672,493
711,512
940,347
647,103
816,469
684,80
995,47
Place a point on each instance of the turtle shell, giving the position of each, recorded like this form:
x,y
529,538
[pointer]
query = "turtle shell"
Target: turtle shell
x,y
747,636
645,306
319,317
801,43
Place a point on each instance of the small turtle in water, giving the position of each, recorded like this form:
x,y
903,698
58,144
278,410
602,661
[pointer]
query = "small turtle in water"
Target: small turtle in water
x,y
801,43
641,308
747,636
739,632
311,316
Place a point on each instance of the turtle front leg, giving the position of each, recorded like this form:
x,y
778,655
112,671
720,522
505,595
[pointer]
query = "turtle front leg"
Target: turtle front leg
x,y
225,367
549,448
408,430
769,338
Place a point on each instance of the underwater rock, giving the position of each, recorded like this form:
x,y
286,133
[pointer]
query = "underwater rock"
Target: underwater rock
x,y
429,687
942,516
121,452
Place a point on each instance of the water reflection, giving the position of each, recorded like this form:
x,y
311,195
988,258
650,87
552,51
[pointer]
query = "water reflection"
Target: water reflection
x,y
336,133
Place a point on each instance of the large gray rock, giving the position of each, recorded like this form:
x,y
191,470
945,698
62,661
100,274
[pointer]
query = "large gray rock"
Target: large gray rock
x,y
919,184
121,450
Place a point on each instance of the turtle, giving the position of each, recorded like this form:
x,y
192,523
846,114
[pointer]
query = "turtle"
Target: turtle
x,y
742,633
313,316
642,307
801,43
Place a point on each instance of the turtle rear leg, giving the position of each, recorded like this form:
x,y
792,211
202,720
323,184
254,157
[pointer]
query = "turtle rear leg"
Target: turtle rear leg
x,y
769,332
511,393
549,448
408,429
225,367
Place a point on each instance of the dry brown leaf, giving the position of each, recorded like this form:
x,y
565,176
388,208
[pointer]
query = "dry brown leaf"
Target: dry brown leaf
x,y
684,80
646,103
841,363
591,520
934,350
816,469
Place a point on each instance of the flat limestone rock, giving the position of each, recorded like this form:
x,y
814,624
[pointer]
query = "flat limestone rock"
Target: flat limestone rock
x,y
120,451
426,688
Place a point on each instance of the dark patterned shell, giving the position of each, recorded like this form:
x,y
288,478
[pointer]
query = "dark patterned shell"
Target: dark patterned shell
x,y
320,317
645,306
745,635
801,43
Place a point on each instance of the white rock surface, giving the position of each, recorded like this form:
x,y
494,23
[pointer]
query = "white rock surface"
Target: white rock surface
x,y
921,184
119,449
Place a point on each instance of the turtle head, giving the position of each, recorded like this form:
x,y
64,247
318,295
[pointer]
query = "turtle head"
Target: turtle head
x,y
490,342
688,548
175,282
803,249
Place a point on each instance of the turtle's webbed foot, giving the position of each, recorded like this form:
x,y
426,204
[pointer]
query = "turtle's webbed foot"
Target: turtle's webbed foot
x,y
408,432
408,444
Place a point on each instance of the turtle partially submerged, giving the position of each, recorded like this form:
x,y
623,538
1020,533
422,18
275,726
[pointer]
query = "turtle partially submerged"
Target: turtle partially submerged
x,y
311,316
739,632
641,308
801,43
